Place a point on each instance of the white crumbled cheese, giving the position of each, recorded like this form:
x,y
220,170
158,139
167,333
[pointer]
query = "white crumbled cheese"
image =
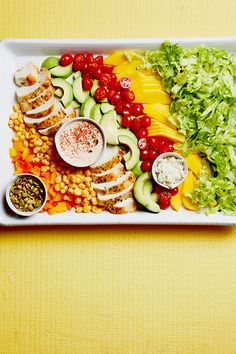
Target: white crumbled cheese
x,y
170,171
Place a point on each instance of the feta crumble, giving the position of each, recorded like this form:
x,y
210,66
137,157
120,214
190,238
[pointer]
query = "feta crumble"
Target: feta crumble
x,y
170,171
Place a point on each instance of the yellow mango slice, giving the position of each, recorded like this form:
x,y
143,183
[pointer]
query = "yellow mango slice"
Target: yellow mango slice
x,y
154,108
139,88
161,117
176,200
153,96
115,58
188,187
163,130
127,66
194,162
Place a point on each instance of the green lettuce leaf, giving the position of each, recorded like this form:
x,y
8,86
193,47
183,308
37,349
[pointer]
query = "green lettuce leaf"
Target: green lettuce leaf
x,y
202,84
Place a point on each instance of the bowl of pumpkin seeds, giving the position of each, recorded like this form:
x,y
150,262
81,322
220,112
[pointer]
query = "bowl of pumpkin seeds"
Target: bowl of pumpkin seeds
x,y
26,194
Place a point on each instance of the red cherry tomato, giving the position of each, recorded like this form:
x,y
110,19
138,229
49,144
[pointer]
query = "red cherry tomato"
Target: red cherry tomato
x,y
146,166
128,96
100,94
104,79
89,57
92,66
114,85
85,69
127,105
142,133
79,57
174,191
144,155
125,82
66,59
164,200
99,60
145,121
115,98
97,73
126,121
135,126
137,109
158,189
107,68
126,113
119,108
78,65
87,83
165,148
143,144
113,77
154,142
152,154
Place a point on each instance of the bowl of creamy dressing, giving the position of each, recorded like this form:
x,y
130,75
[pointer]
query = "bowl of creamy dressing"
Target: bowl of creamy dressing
x,y
80,142
169,170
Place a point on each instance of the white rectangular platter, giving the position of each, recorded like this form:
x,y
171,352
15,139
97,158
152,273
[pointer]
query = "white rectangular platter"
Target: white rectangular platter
x,y
15,53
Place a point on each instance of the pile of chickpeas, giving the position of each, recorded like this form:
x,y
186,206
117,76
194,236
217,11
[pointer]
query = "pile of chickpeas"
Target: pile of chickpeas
x,y
72,183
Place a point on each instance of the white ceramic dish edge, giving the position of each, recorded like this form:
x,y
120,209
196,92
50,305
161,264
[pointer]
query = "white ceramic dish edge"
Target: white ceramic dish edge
x,y
15,52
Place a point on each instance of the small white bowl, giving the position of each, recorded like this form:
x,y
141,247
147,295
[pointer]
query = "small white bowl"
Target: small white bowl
x,y
61,130
165,156
12,206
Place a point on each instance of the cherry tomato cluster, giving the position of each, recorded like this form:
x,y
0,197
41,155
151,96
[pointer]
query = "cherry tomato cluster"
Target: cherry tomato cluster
x,y
164,195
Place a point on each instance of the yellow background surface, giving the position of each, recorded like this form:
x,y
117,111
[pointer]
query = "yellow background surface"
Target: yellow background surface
x,y
115,290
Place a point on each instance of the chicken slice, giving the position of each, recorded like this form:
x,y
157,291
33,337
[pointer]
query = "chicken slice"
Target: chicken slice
x,y
29,92
109,199
116,186
126,206
54,128
41,123
37,101
109,159
27,75
110,175
43,110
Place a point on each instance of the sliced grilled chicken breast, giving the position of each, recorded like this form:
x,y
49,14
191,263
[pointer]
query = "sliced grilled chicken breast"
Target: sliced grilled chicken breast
x,y
41,123
110,175
28,105
126,206
54,128
109,159
30,92
117,186
27,75
43,110
109,199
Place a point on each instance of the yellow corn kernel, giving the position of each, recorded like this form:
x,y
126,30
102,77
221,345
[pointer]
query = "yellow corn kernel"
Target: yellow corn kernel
x,y
78,209
58,179
87,173
14,116
93,194
36,150
78,200
25,143
44,137
36,159
87,209
57,187
16,107
71,190
85,193
63,191
97,210
45,162
82,186
44,168
88,179
85,201
77,192
94,200
39,155
38,142
15,138
27,135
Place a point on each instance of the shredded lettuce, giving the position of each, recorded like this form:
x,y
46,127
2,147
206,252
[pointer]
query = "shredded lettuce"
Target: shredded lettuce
x,y
202,84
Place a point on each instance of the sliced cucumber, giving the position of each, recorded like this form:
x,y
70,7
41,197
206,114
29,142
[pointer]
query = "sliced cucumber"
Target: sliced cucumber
x,y
141,193
106,107
87,106
96,113
58,92
67,91
94,87
135,153
50,62
62,71
108,122
75,104
78,91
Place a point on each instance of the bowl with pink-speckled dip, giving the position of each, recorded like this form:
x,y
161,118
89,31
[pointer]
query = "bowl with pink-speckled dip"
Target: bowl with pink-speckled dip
x,y
80,142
